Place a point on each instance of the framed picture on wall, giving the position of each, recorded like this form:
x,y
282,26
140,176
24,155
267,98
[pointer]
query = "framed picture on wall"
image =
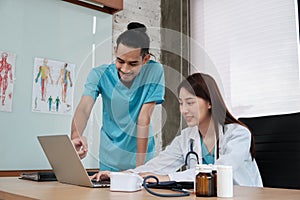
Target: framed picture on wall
x,y
7,74
52,86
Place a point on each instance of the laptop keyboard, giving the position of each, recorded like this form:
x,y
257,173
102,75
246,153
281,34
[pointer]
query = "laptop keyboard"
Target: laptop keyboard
x,y
101,183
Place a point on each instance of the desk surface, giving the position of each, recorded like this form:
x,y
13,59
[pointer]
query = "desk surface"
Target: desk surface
x,y
14,188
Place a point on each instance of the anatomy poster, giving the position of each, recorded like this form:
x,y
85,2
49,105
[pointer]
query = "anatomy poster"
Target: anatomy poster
x,y
7,73
53,86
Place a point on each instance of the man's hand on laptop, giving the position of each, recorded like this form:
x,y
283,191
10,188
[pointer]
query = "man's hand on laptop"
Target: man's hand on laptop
x,y
81,146
101,176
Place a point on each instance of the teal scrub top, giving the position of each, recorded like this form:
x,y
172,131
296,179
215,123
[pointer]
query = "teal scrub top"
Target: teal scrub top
x,y
121,106
207,158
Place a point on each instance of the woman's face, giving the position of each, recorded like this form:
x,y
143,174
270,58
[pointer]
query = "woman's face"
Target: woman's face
x,y
195,110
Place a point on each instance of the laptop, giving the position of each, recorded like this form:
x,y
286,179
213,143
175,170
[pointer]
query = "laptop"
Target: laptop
x,y
65,161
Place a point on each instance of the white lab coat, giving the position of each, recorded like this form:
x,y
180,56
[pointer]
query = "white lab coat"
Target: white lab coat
x,y
233,149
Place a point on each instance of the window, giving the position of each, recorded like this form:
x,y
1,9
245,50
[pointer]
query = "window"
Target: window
x,y
251,48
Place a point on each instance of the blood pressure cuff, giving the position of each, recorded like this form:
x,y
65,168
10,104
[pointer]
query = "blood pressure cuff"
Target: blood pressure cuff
x,y
172,185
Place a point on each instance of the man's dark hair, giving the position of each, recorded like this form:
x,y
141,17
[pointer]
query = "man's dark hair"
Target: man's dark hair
x,y
135,37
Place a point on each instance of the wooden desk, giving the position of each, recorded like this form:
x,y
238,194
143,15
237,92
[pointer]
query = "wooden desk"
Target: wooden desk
x,y
13,188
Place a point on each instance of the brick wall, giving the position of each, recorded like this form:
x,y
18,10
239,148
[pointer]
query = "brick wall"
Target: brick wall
x,y
143,11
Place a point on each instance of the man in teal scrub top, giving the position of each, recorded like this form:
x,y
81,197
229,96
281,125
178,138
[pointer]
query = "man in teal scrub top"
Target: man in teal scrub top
x,y
130,88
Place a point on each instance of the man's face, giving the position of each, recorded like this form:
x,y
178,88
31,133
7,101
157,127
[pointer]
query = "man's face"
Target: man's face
x,y
129,62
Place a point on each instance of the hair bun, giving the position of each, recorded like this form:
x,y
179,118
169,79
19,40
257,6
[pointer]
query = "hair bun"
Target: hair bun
x,y
138,26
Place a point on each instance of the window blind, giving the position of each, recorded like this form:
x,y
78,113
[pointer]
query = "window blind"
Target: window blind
x,y
251,48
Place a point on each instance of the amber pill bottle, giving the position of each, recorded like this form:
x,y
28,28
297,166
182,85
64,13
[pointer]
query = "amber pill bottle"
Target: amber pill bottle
x,y
205,185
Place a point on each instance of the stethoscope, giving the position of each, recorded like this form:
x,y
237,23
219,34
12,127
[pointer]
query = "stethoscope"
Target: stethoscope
x,y
182,192
191,152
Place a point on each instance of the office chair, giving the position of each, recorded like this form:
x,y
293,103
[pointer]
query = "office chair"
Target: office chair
x,y
277,143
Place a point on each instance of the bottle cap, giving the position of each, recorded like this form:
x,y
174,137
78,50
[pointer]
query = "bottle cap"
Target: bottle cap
x,y
204,168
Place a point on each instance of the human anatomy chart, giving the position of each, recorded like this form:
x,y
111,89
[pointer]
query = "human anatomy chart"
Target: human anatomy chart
x,y
7,73
53,86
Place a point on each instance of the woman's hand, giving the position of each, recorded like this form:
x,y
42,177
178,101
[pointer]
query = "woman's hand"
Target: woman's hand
x,y
101,175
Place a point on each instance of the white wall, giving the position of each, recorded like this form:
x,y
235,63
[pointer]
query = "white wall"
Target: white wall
x,y
57,30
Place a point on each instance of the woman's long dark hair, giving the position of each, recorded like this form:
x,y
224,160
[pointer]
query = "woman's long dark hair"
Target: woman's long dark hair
x,y
205,87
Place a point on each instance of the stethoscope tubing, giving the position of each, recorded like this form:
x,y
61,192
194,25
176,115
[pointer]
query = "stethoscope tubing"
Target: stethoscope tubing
x,y
191,152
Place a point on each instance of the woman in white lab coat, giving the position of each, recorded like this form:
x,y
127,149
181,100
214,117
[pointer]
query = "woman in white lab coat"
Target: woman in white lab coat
x,y
213,136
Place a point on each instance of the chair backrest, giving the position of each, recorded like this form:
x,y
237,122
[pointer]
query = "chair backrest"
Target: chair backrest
x,y
277,143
